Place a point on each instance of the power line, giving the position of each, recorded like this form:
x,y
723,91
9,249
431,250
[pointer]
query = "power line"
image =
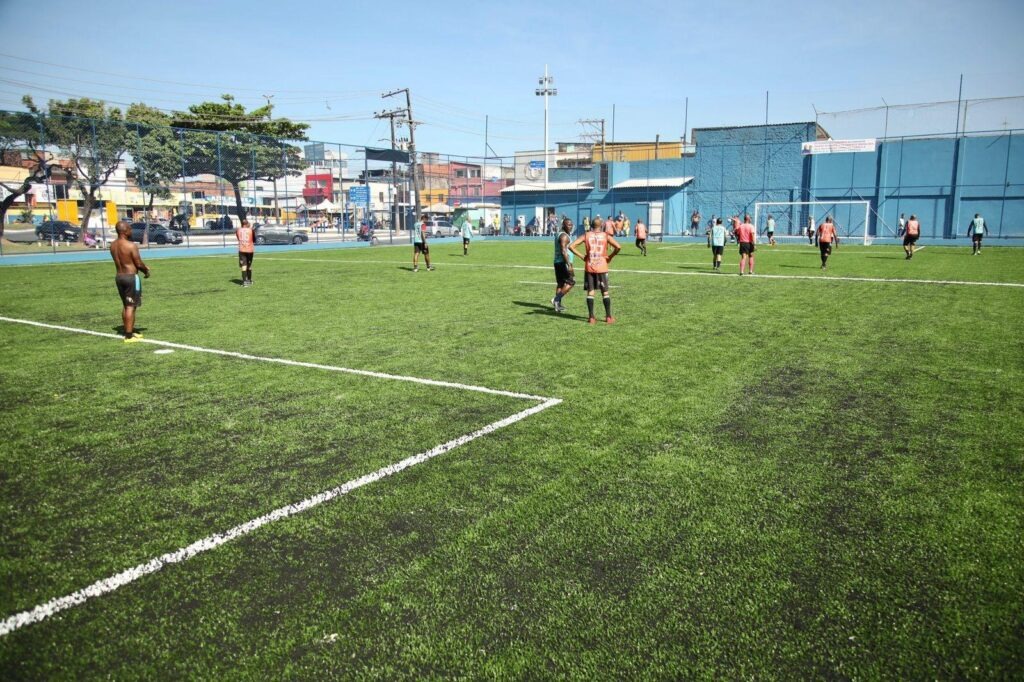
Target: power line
x,y
206,86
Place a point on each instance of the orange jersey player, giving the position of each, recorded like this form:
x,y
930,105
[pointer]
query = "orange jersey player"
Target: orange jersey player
x,y
246,237
827,236
596,259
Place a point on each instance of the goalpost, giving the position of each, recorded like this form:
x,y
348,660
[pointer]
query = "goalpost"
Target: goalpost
x,y
852,218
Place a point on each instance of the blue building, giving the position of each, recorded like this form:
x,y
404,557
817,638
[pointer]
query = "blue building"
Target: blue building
x,y
942,180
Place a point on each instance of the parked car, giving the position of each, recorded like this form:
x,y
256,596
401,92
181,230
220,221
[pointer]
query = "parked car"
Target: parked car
x,y
222,224
442,228
158,234
59,230
280,234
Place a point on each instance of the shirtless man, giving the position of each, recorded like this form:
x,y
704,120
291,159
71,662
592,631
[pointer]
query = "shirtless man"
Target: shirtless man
x,y
126,257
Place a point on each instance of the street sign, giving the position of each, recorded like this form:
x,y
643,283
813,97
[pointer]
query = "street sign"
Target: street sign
x,y
359,195
537,165
314,153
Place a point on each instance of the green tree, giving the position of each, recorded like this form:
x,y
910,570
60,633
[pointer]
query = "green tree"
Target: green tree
x,y
158,152
225,140
20,145
92,136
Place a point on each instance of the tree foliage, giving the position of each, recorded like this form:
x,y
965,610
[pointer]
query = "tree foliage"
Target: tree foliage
x,y
157,150
20,144
91,135
223,139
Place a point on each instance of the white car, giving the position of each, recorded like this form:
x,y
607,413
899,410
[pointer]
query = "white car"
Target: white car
x,y
442,228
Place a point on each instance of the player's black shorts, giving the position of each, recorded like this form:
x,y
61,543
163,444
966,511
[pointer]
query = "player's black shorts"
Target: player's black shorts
x,y
717,250
245,259
771,235
825,248
640,242
420,247
976,238
129,287
465,241
563,276
596,280
910,239
746,248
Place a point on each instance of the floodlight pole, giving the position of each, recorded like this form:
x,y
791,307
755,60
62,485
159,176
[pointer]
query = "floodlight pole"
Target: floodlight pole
x,y
545,90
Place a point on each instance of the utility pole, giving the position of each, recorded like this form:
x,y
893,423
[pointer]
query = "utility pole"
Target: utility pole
x,y
270,117
391,116
412,123
593,132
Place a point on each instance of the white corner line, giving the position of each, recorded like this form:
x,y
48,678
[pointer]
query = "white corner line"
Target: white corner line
x,y
282,361
108,585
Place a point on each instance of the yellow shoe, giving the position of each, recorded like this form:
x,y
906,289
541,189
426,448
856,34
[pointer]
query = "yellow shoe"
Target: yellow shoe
x,y
132,339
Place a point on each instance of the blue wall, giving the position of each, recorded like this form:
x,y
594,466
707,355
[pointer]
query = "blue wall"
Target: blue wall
x,y
944,181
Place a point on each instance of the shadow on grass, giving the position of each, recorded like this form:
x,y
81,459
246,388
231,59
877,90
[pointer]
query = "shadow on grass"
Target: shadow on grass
x,y
235,281
119,329
801,267
546,309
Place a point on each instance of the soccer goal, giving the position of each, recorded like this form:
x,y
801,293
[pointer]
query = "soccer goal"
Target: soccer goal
x,y
792,218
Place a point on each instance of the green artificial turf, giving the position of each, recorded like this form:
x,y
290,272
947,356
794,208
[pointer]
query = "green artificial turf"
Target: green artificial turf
x,y
747,477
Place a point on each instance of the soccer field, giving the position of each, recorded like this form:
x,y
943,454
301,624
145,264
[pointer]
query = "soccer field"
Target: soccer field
x,y
354,470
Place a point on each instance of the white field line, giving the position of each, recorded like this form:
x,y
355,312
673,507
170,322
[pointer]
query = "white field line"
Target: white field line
x,y
689,273
548,284
107,585
281,361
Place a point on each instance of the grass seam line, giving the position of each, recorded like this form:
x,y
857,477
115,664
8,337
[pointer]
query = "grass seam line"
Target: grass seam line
x,y
114,582
282,361
719,275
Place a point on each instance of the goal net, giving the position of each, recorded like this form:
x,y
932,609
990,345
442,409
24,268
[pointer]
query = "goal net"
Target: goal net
x,y
792,218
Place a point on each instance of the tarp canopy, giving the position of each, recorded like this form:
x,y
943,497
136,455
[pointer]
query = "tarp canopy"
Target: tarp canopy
x,y
378,154
439,208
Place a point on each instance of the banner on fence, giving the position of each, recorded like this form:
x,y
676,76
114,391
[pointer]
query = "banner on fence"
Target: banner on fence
x,y
839,146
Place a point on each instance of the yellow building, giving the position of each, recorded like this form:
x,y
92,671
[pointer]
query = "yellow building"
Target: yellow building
x,y
640,151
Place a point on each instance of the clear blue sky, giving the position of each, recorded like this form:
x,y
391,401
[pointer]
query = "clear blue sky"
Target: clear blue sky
x,y
327,62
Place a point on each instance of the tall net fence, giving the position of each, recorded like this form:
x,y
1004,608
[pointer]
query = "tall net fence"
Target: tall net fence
x,y
953,117
69,179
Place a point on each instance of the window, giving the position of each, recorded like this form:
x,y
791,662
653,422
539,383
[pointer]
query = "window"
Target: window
x,y
603,181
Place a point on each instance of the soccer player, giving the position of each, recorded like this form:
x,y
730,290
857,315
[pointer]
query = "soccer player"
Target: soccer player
x,y
976,229
419,245
467,234
770,229
716,242
911,233
597,259
641,236
826,237
745,234
246,237
128,263
565,275
810,230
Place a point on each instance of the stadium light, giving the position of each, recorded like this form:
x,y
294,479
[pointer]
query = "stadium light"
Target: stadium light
x,y
545,90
